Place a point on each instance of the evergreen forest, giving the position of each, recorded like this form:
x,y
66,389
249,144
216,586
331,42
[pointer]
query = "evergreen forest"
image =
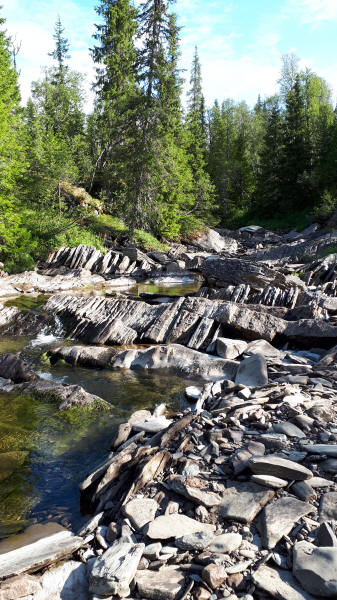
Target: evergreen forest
x,y
148,162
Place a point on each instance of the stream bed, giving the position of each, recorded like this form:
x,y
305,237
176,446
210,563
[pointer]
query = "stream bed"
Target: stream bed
x,y
45,453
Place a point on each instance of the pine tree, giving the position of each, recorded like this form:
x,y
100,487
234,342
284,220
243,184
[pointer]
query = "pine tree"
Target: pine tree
x,y
197,142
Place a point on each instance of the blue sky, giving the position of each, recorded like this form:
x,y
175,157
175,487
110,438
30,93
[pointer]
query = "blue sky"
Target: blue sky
x,y
240,41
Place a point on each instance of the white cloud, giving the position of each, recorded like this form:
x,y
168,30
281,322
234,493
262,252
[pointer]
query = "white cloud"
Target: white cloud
x,y
314,11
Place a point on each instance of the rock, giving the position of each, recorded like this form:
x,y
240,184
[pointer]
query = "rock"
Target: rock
x,y
326,535
228,348
279,467
252,371
195,541
289,429
193,393
194,493
235,271
65,395
316,569
152,551
269,481
303,491
179,359
243,501
225,543
329,465
174,525
278,518
212,240
121,435
279,583
328,449
44,552
214,575
65,582
328,507
141,511
113,572
92,357
152,425
21,586
202,594
14,368
320,482
165,584
263,347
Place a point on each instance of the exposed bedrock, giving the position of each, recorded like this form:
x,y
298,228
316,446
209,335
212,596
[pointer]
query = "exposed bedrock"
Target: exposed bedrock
x,y
194,322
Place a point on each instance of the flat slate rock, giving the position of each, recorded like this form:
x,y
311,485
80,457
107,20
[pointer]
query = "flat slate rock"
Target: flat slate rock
x,y
166,584
279,467
243,501
316,569
113,572
200,496
279,583
225,543
195,541
269,481
278,518
252,371
39,554
175,525
289,429
328,449
328,507
141,511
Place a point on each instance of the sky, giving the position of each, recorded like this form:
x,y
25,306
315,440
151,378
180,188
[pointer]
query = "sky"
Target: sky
x,y
240,42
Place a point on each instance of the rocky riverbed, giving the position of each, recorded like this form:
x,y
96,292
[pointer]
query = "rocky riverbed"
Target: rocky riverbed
x,y
235,496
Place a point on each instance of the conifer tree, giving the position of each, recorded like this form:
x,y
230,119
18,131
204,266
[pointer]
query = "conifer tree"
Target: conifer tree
x,y
197,142
61,50
269,193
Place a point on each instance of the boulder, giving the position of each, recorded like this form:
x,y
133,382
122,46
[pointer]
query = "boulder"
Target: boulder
x,y
278,518
279,467
252,371
316,569
14,368
166,584
228,348
113,572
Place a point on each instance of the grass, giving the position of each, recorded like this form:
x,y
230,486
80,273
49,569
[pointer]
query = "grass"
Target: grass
x,y
104,224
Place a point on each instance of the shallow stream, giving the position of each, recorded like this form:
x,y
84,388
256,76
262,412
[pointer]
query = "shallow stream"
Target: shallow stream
x,y
44,453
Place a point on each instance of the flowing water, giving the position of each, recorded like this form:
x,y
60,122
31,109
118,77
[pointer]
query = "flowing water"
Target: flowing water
x,y
45,453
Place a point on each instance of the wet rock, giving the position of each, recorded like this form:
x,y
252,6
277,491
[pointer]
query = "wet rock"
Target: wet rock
x,y
84,356
252,371
165,584
174,525
243,501
279,517
316,569
141,511
14,368
279,583
328,507
113,572
228,348
279,467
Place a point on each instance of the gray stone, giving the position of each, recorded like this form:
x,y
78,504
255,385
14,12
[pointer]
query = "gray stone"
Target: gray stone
x,y
196,494
243,501
252,371
326,535
263,347
141,511
316,569
329,465
225,543
320,482
64,582
21,586
280,584
279,517
174,525
328,507
303,491
269,481
122,433
328,449
152,551
279,467
192,392
113,572
153,425
289,429
195,541
228,348
165,584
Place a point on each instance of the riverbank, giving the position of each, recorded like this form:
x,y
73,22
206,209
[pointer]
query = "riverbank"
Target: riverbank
x,y
234,495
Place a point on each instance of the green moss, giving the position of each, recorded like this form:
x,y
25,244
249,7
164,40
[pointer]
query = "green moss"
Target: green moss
x,y
327,252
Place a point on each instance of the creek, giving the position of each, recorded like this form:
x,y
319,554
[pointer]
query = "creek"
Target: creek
x,y
45,453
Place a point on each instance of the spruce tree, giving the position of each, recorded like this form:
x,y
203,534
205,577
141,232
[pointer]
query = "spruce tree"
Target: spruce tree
x,y
61,50
268,199
197,143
